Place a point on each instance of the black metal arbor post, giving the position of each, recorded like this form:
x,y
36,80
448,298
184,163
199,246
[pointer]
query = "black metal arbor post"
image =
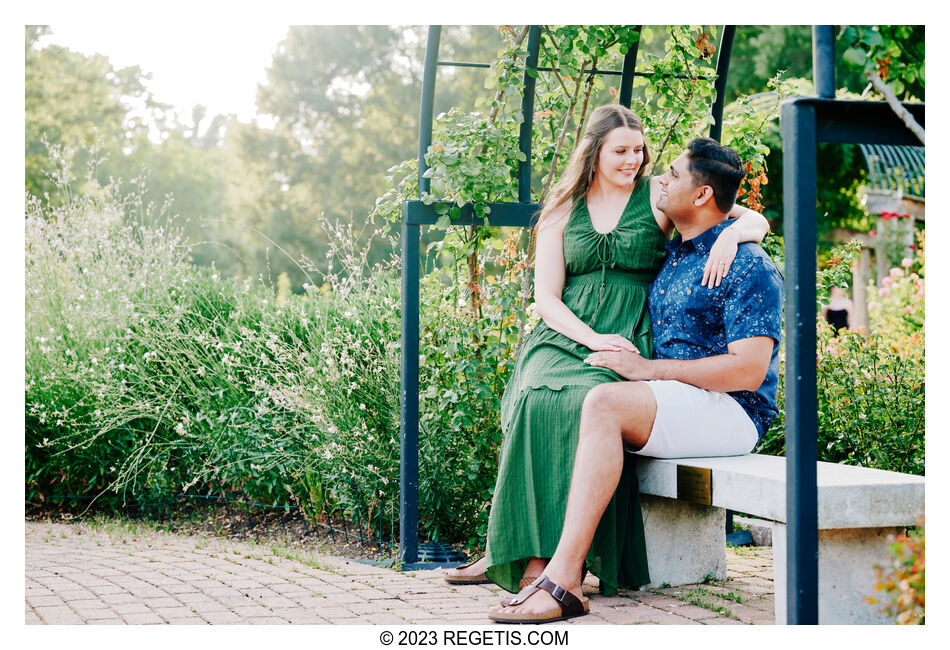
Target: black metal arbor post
x,y
805,122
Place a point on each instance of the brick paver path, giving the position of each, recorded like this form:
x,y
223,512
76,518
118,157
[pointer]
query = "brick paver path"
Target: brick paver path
x,y
77,574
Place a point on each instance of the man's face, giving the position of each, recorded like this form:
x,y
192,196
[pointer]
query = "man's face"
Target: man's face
x,y
677,189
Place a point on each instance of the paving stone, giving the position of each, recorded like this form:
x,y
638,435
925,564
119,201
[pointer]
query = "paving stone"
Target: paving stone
x,y
187,620
366,608
119,599
91,615
310,618
173,612
219,618
38,590
721,620
131,608
92,603
383,619
58,616
45,601
143,619
252,611
76,594
208,606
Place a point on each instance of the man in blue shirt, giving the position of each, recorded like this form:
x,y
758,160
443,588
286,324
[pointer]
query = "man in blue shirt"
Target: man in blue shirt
x,y
710,389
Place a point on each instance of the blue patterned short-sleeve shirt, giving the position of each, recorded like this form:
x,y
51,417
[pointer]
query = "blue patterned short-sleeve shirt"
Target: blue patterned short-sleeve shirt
x,y
691,321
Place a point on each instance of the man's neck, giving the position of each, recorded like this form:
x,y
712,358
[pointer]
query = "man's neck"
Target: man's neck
x,y
698,225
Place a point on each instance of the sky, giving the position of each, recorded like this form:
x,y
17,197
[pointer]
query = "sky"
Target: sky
x,y
192,63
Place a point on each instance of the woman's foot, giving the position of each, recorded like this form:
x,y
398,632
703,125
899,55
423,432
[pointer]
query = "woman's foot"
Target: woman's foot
x,y
534,569
467,574
541,602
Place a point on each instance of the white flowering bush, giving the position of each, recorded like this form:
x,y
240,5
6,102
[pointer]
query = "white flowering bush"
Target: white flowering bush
x,y
149,378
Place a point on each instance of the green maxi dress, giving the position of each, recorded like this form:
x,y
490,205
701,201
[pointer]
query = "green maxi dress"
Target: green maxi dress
x,y
606,286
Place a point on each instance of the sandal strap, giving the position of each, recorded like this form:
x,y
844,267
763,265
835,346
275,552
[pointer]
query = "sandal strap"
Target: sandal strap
x,y
465,566
523,595
569,603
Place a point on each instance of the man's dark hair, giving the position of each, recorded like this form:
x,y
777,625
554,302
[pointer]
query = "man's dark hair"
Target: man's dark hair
x,y
717,166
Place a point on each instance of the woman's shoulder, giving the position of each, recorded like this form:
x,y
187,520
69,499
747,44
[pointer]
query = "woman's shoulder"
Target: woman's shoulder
x,y
559,215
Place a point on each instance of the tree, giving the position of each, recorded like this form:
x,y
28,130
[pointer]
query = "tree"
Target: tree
x,y
891,57
75,101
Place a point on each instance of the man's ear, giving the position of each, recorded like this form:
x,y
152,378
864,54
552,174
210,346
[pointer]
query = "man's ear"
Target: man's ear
x,y
704,196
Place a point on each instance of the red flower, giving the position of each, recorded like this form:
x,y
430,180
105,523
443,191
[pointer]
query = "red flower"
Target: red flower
x,y
834,261
872,233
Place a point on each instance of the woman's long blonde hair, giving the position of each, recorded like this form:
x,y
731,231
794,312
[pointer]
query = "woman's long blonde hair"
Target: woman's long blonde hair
x,y
579,174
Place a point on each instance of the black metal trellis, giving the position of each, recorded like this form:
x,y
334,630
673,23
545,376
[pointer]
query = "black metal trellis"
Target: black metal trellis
x,y
416,214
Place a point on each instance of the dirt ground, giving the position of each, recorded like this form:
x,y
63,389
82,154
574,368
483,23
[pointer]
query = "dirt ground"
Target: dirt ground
x,y
285,528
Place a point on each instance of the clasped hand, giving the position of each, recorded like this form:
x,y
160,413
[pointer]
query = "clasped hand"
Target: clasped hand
x,y
629,365
610,343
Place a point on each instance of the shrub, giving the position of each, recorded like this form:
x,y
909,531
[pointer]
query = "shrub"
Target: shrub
x,y
901,580
871,386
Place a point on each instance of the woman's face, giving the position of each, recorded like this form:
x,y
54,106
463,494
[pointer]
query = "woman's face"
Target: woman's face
x,y
621,156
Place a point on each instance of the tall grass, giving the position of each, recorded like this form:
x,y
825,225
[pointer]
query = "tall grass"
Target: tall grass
x,y
149,378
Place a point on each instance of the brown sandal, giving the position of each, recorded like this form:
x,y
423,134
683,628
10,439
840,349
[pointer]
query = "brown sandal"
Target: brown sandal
x,y
569,605
477,579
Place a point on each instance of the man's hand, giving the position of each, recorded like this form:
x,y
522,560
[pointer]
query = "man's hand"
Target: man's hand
x,y
628,365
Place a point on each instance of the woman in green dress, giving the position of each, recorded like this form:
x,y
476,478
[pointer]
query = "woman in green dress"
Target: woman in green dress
x,y
600,242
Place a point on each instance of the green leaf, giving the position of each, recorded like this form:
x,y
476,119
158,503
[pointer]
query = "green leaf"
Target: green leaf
x,y
443,222
872,37
521,156
441,208
855,56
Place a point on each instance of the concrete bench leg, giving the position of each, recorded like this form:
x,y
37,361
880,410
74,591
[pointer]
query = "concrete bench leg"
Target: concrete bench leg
x,y
686,543
846,559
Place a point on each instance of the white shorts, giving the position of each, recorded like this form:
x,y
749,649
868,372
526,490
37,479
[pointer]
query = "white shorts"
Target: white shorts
x,y
695,423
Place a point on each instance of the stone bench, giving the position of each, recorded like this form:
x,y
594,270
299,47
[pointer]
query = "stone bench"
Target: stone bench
x,y
858,508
